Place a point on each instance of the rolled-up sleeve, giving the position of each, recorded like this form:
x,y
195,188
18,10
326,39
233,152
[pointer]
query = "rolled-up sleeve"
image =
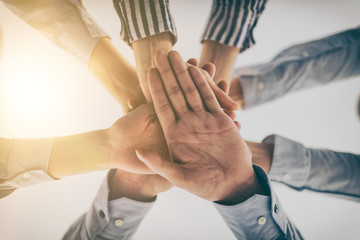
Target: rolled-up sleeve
x,y
141,19
231,22
26,164
259,217
65,22
319,170
116,219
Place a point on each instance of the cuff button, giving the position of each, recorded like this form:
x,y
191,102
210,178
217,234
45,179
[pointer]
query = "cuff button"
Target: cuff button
x,y
118,222
261,220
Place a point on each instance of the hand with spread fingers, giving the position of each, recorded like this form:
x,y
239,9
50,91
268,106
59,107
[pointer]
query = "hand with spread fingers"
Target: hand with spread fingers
x,y
209,156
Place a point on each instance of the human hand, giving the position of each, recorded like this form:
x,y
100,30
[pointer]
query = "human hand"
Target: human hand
x,y
262,154
138,129
139,187
222,56
144,50
236,92
209,157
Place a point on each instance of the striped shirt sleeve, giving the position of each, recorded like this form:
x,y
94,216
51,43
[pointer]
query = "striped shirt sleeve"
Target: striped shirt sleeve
x,y
231,22
144,18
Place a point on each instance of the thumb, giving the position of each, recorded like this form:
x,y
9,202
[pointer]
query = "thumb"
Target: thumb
x,y
223,85
169,170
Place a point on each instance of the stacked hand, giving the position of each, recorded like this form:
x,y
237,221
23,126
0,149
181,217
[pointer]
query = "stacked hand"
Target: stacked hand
x,y
208,156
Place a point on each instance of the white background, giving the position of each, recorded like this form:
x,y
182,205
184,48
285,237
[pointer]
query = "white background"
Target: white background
x,y
46,92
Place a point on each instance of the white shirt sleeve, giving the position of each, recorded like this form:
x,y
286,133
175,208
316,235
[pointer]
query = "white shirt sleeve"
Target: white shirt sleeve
x,y
65,22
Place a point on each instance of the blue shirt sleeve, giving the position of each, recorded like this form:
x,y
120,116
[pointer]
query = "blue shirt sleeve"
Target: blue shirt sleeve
x,y
115,219
301,66
259,217
320,170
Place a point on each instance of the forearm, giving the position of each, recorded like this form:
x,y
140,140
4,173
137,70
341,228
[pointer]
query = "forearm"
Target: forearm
x,y
81,153
117,75
144,50
222,56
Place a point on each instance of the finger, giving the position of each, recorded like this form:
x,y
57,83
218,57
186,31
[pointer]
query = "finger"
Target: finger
x,y
224,100
231,114
237,125
135,102
169,170
193,61
191,93
162,105
224,85
172,88
210,68
207,95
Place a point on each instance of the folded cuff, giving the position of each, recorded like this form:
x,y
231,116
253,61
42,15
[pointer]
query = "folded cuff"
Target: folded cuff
x,y
290,163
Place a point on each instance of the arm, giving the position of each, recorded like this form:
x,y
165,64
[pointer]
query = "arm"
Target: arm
x,y
301,168
29,161
67,24
112,218
229,31
148,27
198,133
298,67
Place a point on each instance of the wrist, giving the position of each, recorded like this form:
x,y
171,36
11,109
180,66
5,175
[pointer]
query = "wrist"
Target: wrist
x,y
132,186
222,56
244,190
144,51
236,92
262,154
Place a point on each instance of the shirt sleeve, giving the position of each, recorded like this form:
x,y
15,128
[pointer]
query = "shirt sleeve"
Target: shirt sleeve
x,y
231,22
144,18
319,170
65,22
301,66
115,219
25,164
259,217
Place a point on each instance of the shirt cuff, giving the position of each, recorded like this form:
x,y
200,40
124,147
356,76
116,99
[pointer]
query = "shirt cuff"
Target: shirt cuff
x,y
232,22
65,22
259,84
141,19
118,218
27,163
290,164
259,217
80,33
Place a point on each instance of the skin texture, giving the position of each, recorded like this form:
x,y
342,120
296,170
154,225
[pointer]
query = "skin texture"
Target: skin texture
x,y
145,187
110,148
222,56
116,74
144,51
209,158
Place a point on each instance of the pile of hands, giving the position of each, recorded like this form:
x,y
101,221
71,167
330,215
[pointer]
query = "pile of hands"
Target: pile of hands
x,y
185,137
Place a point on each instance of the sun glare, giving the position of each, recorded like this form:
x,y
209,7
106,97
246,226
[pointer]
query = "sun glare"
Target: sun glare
x,y
27,94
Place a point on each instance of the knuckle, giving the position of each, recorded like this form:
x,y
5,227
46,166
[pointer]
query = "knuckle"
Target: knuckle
x,y
173,90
